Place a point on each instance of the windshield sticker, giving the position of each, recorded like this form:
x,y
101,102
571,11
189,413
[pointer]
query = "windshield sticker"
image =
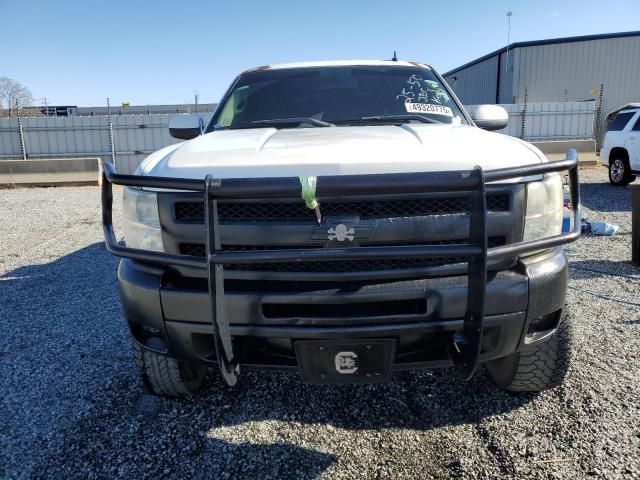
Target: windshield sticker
x,y
423,91
428,108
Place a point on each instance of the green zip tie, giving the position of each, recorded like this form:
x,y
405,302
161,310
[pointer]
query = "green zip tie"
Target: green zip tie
x,y
309,191
309,195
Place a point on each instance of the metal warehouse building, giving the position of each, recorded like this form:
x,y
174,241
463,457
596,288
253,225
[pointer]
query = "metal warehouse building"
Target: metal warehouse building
x,y
556,70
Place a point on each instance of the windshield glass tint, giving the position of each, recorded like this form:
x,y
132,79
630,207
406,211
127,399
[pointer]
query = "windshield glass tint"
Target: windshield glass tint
x,y
339,95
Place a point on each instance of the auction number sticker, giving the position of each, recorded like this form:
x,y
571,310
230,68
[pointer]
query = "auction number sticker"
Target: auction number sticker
x,y
428,108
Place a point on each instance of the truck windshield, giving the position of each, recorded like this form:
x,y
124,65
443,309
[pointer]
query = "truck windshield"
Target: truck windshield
x,y
336,96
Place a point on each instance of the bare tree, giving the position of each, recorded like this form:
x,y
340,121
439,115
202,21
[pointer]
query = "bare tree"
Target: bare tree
x,y
13,95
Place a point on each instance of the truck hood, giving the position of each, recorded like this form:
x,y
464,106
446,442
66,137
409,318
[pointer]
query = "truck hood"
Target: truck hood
x,y
268,152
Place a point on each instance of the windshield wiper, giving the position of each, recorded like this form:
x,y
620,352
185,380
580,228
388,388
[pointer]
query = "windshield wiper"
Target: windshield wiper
x,y
400,118
294,121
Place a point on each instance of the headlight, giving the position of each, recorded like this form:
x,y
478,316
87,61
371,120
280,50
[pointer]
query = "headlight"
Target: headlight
x,y
543,217
141,221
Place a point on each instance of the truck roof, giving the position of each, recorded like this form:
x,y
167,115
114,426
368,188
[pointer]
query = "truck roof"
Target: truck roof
x,y
341,63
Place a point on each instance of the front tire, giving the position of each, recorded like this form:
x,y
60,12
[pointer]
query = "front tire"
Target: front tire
x,y
619,172
538,367
166,376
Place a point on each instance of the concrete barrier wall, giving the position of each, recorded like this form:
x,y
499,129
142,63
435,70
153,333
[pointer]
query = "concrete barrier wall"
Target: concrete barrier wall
x,y
50,171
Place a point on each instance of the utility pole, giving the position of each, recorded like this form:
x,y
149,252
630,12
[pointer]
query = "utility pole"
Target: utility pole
x,y
506,64
21,132
112,144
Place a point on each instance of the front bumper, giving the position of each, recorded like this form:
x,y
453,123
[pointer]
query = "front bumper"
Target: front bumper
x,y
465,347
266,319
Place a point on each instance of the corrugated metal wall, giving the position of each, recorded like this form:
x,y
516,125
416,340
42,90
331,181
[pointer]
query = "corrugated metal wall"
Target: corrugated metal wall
x,y
477,83
507,73
558,72
569,71
135,137
9,138
575,71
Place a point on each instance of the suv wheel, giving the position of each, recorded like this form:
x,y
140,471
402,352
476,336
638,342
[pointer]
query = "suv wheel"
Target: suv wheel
x,y
167,376
619,172
539,367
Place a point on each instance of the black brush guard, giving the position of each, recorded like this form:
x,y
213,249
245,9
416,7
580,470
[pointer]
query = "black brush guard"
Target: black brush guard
x,y
464,347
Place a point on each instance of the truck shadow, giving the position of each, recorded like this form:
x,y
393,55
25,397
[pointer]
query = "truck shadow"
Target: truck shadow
x,y
65,316
604,197
583,269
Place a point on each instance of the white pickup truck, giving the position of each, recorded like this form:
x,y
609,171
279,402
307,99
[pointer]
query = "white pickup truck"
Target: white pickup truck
x,y
344,220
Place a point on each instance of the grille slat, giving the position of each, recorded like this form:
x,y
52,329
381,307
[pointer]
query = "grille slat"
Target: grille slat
x,y
346,265
229,212
198,250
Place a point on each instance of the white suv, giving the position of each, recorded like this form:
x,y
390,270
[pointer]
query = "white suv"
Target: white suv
x,y
621,149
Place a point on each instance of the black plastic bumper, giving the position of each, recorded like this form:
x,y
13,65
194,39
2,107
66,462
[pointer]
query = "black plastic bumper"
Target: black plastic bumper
x,y
534,288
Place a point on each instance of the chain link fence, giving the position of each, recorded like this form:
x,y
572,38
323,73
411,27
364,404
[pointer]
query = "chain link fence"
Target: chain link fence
x,y
551,120
566,109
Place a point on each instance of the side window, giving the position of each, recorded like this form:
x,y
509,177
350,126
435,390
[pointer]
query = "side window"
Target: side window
x,y
620,121
636,127
235,105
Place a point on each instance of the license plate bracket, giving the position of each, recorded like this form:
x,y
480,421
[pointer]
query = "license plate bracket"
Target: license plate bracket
x,y
345,361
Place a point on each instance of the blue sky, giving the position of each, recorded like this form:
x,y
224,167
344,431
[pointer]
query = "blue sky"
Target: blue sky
x,y
79,52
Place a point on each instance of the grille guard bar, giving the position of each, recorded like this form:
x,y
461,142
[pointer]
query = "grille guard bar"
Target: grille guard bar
x,y
464,348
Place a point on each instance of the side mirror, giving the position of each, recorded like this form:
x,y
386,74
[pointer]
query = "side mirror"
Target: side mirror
x,y
489,117
185,127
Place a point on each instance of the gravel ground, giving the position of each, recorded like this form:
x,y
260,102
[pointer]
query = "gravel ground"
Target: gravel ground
x,y
72,406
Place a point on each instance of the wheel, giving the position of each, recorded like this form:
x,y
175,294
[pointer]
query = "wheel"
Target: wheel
x,y
166,376
540,366
619,172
